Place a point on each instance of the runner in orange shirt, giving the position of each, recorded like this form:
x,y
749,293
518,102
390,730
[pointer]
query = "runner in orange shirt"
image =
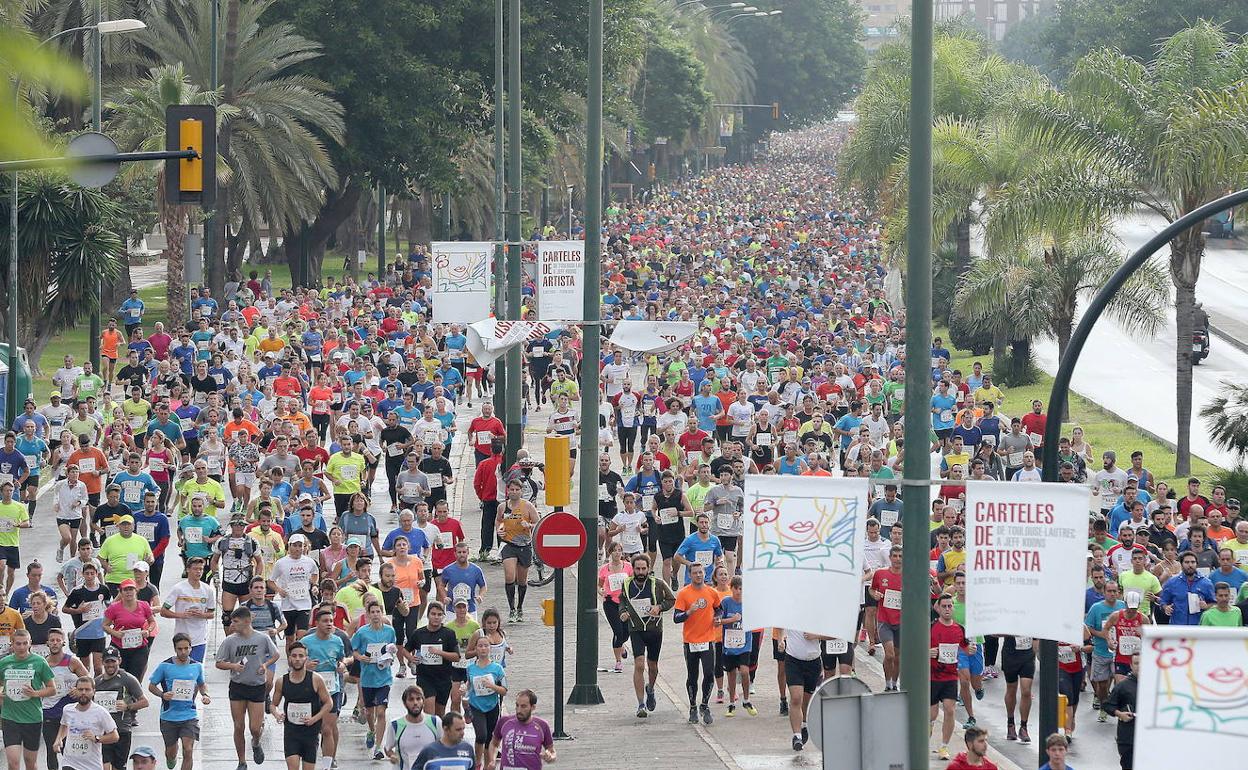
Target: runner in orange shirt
x,y
92,464
696,609
111,341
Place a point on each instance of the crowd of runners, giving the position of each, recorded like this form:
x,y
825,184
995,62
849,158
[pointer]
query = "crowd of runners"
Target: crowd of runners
x,y
225,474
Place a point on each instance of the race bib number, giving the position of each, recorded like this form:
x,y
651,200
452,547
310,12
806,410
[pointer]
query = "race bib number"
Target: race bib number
x,y
1128,645
331,681
429,654
183,689
15,680
461,592
156,464
836,646
484,436
132,494
106,699
93,611
77,746
604,495
615,581
132,638
481,685
762,439
946,415
668,516
146,530
947,653
888,518
699,646
435,481
297,591
350,472
86,465
194,535
734,638
408,594
725,521
1022,643
443,541
704,558
1014,459
7,524
892,599
1065,655
41,650
642,606
298,713
1193,603
410,489
647,502
395,450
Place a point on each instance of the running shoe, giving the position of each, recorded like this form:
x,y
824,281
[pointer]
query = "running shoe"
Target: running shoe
x,y
979,694
402,672
693,715
257,752
805,734
719,696
1101,716
749,709
732,710
1010,733
784,707
370,740
943,753
706,714
378,755
1023,735
641,711
520,615
619,667
970,722
797,743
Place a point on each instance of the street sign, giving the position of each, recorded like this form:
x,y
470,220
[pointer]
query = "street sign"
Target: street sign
x,y
559,539
92,174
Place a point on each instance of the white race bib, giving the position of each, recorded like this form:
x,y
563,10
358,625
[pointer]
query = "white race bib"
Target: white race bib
x,y
888,518
762,439
892,599
1193,603
86,465
298,713
183,689
131,638
947,653
93,611
699,646
146,530
1128,645
734,638
14,681
1022,643
1014,459
836,646
725,521
484,436
106,699
193,535
668,516
615,581
1065,655
435,481
429,654
77,746
481,685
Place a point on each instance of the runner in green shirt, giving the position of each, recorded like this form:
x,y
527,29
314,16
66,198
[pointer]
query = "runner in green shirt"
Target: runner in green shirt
x,y
88,385
27,678
13,516
1225,613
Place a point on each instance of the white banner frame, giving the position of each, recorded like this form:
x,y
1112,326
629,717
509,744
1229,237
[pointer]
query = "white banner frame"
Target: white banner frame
x,y
462,280
561,280
808,578
1032,528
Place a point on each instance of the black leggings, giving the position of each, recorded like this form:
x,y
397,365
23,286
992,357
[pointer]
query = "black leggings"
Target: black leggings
x,y
135,661
619,629
991,645
320,423
694,660
489,515
50,729
393,466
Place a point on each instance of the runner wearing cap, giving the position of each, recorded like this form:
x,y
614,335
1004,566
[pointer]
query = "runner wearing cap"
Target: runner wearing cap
x,y
123,550
119,693
236,558
294,576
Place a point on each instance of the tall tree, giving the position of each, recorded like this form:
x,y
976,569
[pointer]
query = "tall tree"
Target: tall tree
x,y
1177,128
809,59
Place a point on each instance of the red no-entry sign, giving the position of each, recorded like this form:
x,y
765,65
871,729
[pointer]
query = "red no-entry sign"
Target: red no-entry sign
x,y
559,539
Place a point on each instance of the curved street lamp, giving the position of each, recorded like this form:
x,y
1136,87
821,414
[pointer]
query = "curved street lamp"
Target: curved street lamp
x,y
734,7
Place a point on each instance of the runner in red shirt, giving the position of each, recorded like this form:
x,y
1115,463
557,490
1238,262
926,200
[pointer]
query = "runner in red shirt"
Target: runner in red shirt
x,y
886,590
947,638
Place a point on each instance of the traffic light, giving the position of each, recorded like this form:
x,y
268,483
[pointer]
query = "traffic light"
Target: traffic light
x,y
558,472
548,612
775,110
191,127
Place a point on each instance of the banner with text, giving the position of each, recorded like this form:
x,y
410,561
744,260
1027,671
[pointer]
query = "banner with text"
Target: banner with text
x,y
1191,707
802,538
561,280
488,340
652,336
461,280
1026,554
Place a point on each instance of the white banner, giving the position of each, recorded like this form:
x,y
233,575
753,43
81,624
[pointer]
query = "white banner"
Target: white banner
x,y
652,336
561,280
803,539
1191,705
1026,559
488,340
461,280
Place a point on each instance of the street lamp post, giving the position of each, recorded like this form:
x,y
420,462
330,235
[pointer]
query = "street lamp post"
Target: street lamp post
x,y
514,361
101,28
500,269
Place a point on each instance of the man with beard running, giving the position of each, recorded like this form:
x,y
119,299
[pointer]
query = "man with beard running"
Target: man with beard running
x,y
307,703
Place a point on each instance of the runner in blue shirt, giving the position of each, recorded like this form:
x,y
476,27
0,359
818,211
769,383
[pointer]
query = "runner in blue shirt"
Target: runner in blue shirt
x,y
175,683
700,546
707,407
462,579
132,310
134,482
738,644
374,646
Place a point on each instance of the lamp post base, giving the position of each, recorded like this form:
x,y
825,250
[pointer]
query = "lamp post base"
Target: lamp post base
x,y
586,695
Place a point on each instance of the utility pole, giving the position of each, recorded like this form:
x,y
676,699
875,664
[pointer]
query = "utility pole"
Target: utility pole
x,y
915,607
97,119
210,236
514,359
500,270
381,232
585,691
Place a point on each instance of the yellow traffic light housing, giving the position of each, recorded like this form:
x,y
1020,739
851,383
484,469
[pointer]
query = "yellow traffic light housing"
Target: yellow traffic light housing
x,y
191,180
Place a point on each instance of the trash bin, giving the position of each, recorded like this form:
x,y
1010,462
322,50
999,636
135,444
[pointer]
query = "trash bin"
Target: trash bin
x,y
24,385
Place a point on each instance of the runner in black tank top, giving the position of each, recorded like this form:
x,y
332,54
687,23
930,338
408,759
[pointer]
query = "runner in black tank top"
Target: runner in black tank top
x,y
299,701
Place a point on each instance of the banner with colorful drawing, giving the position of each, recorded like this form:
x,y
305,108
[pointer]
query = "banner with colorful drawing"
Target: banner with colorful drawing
x,y
1192,702
461,280
1026,559
803,538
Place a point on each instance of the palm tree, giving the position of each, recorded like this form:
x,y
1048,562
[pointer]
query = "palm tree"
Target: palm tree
x,y
1034,290
29,64
1227,419
139,125
275,164
1177,128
